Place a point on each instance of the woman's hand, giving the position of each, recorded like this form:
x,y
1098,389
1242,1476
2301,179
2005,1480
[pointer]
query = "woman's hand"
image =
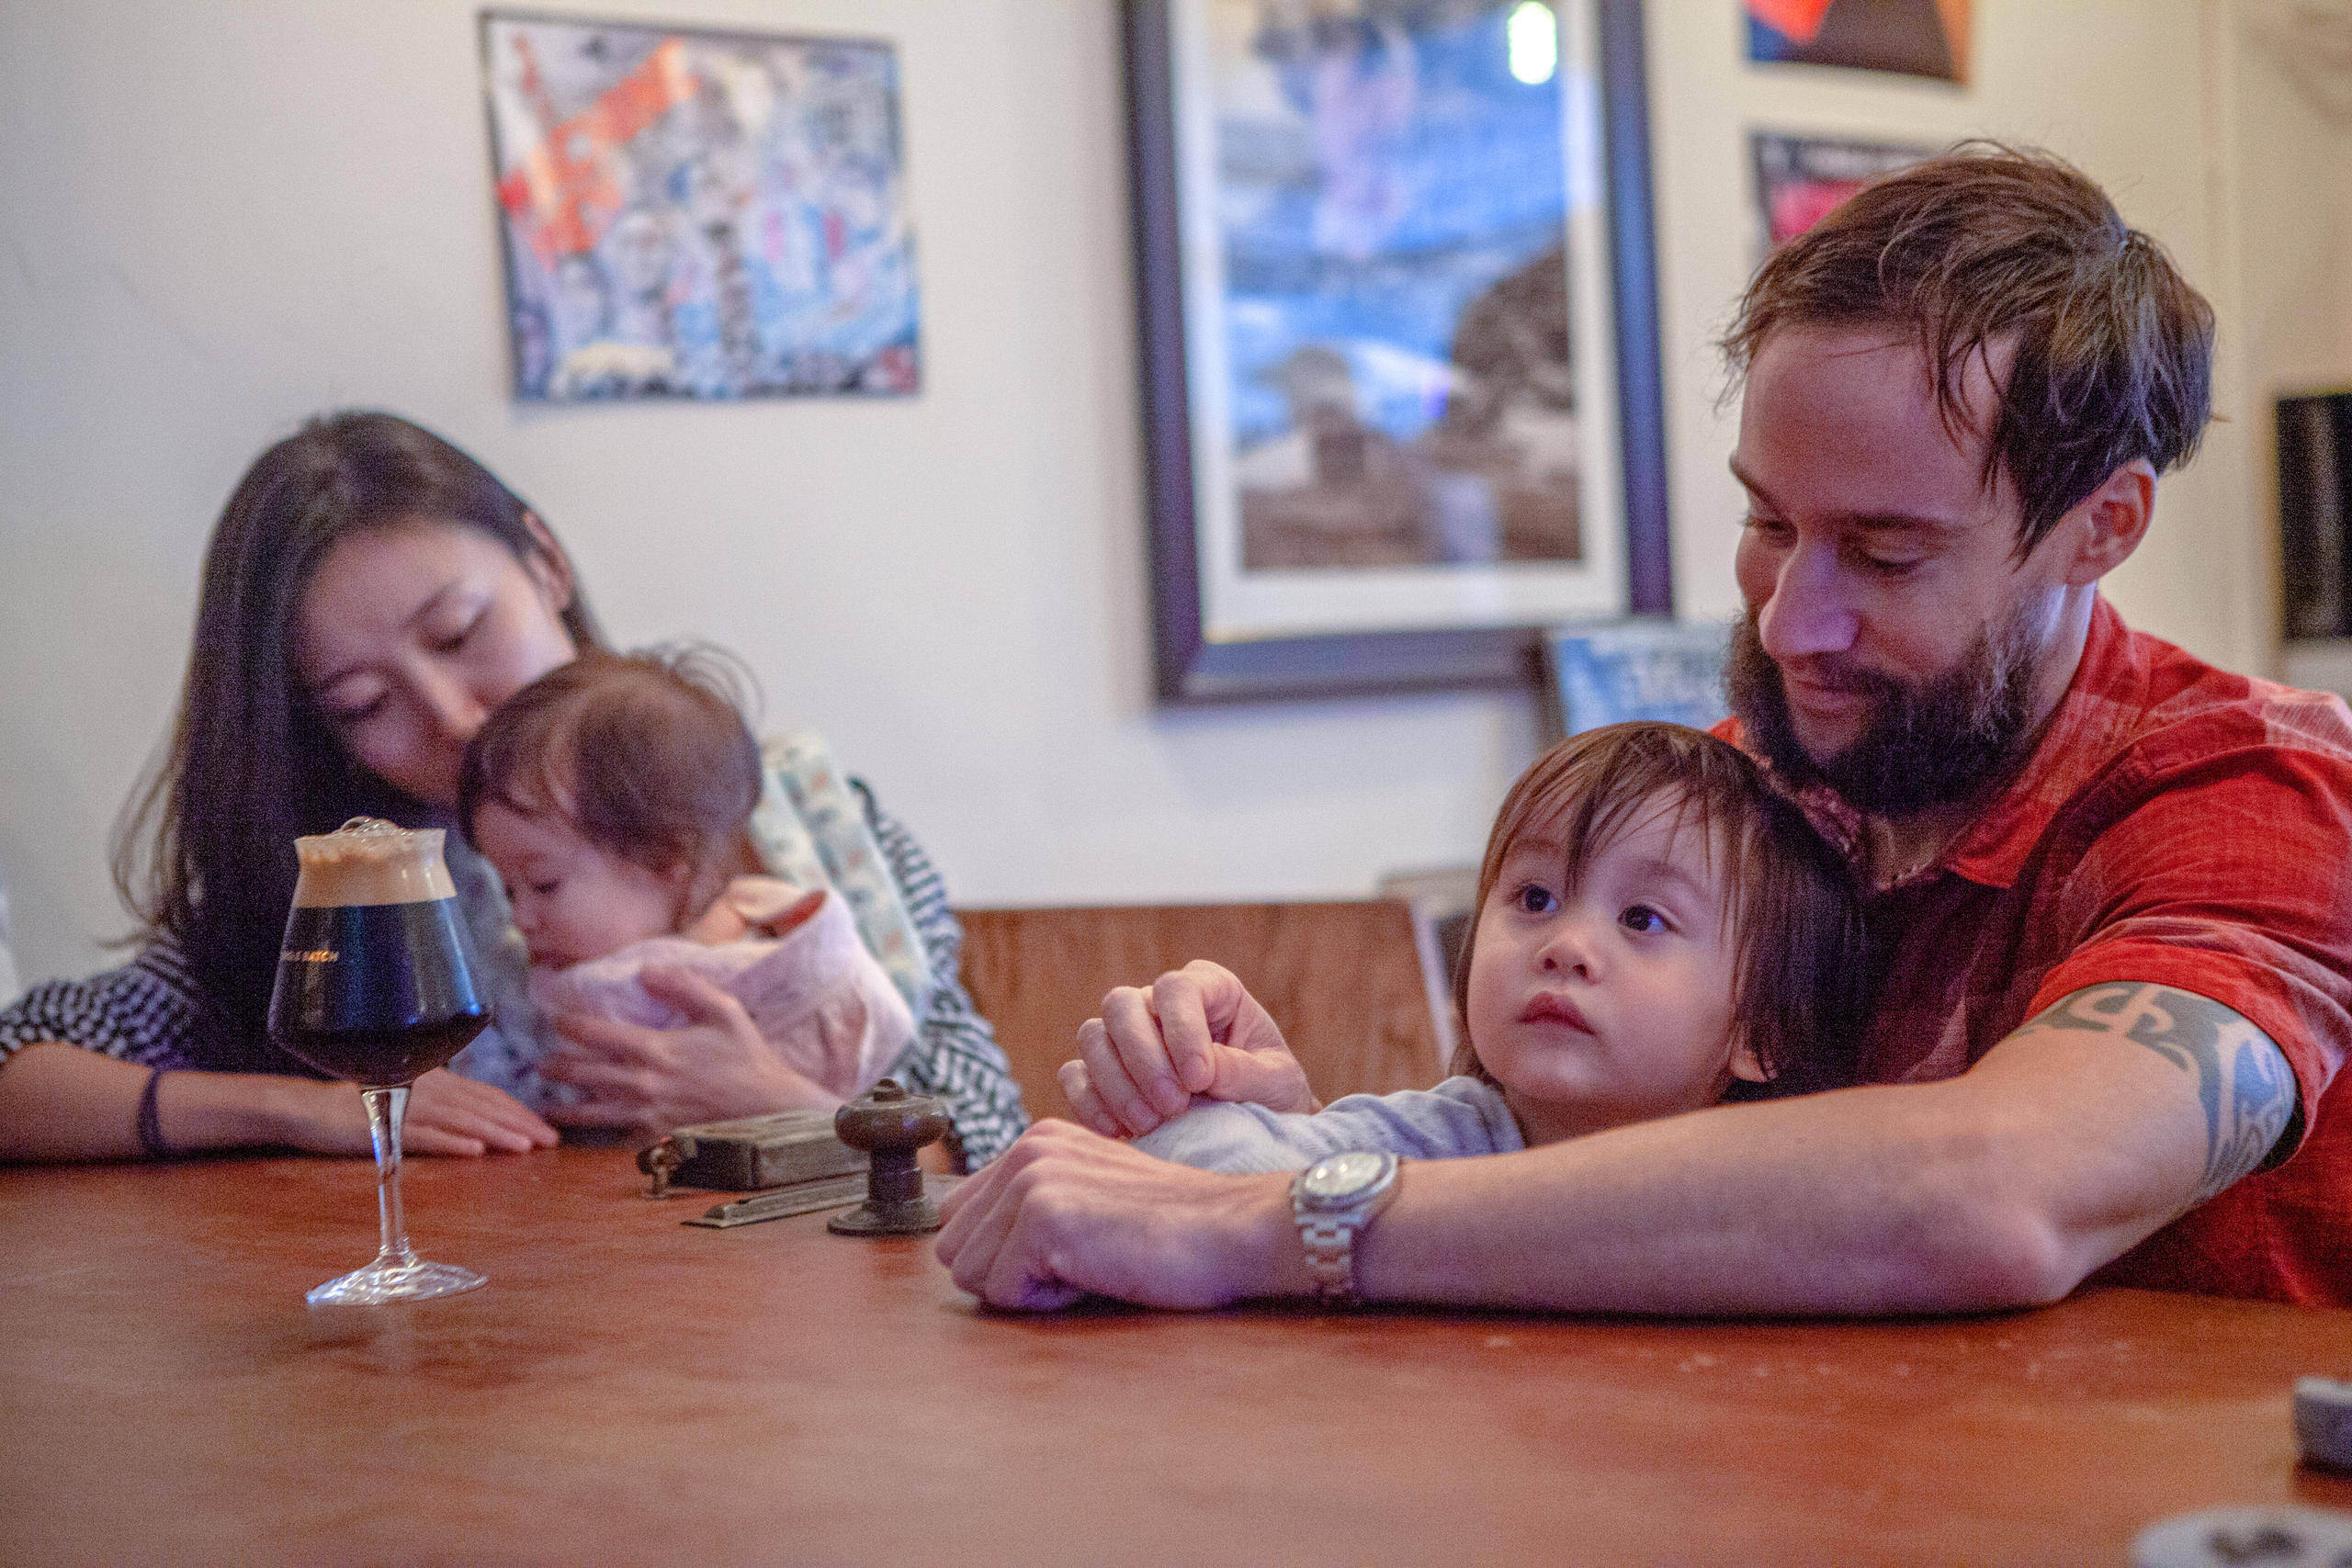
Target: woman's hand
x,y
451,1115
60,1101
713,1067
446,1115
1196,1031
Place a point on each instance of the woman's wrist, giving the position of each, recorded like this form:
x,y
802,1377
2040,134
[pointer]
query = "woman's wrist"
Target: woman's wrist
x,y
222,1110
151,1142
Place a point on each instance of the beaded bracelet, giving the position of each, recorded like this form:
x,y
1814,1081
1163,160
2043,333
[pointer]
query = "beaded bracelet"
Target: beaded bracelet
x,y
151,1122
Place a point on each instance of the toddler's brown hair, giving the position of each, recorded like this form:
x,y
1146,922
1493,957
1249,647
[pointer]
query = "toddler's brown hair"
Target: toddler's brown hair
x,y
1800,957
646,754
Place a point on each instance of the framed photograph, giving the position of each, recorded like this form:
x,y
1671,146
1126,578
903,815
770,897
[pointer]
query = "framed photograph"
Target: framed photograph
x,y
1799,179
692,214
1912,38
1399,337
1672,671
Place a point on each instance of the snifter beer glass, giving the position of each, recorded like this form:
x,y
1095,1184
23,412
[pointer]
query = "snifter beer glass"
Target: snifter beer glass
x,y
373,989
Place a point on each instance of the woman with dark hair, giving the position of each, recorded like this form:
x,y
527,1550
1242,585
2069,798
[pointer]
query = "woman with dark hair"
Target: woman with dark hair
x,y
370,594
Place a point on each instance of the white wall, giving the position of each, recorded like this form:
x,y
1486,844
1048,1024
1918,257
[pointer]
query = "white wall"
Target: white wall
x,y
2292,189
2292,161
218,221
2118,86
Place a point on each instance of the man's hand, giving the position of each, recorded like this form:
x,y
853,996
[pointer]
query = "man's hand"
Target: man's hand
x,y
1066,1213
1196,1031
713,1067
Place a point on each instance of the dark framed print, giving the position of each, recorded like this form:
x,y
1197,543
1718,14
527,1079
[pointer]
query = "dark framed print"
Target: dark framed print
x,y
1399,337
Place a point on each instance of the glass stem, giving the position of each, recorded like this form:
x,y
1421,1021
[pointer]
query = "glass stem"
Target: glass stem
x,y
385,1109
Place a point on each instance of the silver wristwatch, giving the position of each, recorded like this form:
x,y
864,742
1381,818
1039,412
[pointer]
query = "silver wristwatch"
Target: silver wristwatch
x,y
1332,1200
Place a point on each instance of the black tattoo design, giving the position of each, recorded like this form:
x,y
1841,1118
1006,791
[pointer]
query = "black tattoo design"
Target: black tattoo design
x,y
2243,1080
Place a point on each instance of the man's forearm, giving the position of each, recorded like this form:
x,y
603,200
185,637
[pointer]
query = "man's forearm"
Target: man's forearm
x,y
1800,1206
2067,1145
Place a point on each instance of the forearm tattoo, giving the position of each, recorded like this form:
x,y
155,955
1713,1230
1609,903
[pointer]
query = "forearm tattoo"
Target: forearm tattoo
x,y
2243,1080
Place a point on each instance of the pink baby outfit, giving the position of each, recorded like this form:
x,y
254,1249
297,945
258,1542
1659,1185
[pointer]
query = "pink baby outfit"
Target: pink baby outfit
x,y
816,994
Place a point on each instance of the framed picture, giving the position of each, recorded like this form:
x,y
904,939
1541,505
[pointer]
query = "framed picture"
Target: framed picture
x,y
1912,38
696,214
1400,337
1800,179
1668,670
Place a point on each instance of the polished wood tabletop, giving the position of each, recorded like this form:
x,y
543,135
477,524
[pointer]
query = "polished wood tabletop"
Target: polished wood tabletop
x,y
631,1388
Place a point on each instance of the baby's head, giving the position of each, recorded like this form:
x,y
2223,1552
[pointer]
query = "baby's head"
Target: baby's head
x,y
612,795
1654,926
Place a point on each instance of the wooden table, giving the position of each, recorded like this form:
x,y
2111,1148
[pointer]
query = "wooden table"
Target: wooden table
x,y
629,1389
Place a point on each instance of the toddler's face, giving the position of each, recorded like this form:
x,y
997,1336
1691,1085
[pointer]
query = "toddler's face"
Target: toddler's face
x,y
1612,1004
572,900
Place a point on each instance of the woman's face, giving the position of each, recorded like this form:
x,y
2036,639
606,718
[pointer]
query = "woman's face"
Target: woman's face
x,y
407,637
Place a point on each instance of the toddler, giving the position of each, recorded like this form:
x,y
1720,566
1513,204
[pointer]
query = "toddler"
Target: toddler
x,y
611,796
1656,931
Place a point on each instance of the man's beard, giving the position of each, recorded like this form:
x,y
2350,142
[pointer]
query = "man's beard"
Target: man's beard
x,y
1924,743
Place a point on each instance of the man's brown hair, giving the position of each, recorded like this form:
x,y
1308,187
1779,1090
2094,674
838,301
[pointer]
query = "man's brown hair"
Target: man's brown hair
x,y
1800,964
646,754
1990,247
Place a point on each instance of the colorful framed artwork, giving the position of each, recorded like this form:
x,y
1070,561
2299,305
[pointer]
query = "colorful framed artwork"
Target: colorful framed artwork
x,y
699,214
1912,38
1799,179
1399,337
1672,671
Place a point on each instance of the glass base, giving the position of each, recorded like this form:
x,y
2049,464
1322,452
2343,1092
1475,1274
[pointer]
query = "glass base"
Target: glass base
x,y
383,1281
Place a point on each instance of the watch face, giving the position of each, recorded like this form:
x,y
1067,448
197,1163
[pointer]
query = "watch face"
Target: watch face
x,y
1342,1176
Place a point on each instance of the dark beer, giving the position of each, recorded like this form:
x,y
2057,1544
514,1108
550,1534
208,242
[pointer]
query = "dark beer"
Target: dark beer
x,y
375,987
373,983
375,993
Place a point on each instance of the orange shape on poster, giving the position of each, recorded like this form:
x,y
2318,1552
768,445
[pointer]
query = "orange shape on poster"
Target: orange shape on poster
x,y
567,182
1796,19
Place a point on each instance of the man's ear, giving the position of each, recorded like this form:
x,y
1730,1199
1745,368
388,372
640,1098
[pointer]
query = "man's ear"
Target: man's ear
x,y
1745,1065
2107,525
548,565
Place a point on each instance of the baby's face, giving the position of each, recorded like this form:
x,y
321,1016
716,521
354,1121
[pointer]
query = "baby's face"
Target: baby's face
x,y
572,900
1612,1003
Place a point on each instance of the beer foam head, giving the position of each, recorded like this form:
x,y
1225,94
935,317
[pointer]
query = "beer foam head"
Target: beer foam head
x,y
370,862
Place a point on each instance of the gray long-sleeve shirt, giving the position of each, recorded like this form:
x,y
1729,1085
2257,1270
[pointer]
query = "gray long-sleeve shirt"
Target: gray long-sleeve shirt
x,y
1460,1116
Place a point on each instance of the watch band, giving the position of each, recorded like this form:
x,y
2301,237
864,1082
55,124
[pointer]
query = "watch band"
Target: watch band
x,y
1329,1221
1330,1257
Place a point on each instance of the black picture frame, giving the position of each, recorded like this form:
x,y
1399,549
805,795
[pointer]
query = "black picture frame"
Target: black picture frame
x,y
1191,667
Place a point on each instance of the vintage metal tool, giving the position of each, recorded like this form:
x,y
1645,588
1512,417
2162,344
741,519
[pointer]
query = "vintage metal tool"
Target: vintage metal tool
x,y
801,1198
890,1125
749,1153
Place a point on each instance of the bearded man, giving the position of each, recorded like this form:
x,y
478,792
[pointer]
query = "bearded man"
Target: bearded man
x,y
2109,881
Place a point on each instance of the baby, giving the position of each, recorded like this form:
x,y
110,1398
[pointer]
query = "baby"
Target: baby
x,y
1658,931
611,796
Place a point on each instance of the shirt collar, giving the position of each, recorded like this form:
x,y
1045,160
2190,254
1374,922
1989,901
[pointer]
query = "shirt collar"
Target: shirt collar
x,y
2092,722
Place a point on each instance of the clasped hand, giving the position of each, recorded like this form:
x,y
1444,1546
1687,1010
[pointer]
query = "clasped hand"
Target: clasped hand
x,y
1196,1031
1067,1212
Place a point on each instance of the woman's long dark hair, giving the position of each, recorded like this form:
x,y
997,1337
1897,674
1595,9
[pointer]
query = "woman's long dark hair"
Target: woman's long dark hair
x,y
203,851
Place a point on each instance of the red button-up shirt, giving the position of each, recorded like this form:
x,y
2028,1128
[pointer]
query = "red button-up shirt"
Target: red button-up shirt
x,y
2180,826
